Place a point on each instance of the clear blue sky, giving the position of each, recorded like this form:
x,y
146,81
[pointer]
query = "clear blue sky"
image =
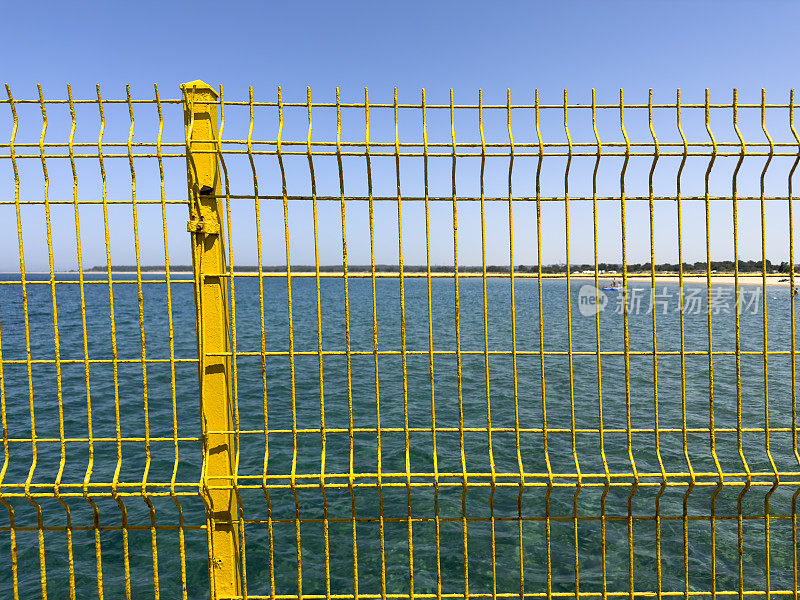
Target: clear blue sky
x,y
436,45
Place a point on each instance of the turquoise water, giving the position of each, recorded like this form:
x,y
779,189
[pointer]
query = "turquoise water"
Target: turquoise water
x,y
592,499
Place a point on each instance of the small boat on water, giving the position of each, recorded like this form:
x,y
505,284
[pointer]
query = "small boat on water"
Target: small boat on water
x,y
613,287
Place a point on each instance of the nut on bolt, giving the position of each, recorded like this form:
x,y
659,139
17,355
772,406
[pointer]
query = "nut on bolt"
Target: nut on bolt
x,y
207,227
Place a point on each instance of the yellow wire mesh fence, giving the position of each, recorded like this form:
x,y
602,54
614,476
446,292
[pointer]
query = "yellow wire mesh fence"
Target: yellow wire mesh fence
x,y
399,349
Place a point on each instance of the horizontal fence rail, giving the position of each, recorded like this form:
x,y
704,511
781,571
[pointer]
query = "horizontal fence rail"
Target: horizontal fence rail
x,y
397,349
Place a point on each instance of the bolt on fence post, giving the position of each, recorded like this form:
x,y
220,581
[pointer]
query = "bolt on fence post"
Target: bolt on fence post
x,y
211,309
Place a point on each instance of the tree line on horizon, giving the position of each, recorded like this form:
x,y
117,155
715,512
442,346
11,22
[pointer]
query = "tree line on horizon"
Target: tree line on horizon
x,y
727,266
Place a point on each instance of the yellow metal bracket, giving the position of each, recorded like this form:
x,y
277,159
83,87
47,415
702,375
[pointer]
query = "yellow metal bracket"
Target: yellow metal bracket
x,y
207,227
211,308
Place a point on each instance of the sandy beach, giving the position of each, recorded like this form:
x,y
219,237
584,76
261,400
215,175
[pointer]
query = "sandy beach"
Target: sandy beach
x,y
699,280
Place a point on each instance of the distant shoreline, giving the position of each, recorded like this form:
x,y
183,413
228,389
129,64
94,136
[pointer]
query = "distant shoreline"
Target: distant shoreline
x,y
748,279
699,280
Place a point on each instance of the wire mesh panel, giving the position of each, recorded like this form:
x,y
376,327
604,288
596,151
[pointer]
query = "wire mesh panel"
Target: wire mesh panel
x,y
101,447
526,347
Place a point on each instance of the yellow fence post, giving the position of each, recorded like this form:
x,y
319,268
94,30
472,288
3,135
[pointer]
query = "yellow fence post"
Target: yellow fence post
x,y
211,306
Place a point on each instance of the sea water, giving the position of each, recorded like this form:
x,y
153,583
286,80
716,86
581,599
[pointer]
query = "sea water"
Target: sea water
x,y
280,391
